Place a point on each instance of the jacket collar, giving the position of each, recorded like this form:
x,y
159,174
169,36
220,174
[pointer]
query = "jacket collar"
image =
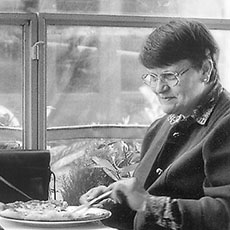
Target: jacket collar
x,y
203,111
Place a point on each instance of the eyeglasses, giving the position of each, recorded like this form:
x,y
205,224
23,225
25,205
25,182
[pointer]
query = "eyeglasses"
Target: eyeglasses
x,y
170,78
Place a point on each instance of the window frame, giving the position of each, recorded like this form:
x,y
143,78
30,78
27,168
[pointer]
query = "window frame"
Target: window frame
x,y
104,131
35,131
30,99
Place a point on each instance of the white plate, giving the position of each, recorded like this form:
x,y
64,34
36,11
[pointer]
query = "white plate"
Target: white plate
x,y
89,223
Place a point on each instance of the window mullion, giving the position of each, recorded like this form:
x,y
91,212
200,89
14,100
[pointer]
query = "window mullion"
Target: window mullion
x,y
30,89
42,83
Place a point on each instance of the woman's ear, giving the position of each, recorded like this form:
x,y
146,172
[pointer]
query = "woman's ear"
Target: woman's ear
x,y
207,68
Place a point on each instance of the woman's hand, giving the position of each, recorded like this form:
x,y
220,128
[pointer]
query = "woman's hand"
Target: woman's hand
x,y
128,190
92,193
106,203
131,191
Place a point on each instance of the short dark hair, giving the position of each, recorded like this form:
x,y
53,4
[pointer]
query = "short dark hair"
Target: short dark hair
x,y
178,40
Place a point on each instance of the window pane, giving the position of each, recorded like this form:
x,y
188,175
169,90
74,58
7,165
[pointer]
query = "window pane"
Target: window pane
x,y
185,8
82,164
11,85
222,38
94,76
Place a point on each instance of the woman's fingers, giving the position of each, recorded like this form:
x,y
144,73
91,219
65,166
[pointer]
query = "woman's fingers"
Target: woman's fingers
x,y
106,204
127,190
92,193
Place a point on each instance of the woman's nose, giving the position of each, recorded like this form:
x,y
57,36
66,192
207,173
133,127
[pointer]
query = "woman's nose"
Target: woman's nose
x,y
161,86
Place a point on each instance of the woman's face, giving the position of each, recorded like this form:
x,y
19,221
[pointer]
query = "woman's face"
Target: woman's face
x,y
186,94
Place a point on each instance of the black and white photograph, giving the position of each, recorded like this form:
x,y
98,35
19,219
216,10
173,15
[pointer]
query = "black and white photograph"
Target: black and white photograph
x,y
114,114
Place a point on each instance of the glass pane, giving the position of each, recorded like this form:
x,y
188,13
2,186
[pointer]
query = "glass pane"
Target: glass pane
x,y
82,164
11,86
185,8
94,77
222,38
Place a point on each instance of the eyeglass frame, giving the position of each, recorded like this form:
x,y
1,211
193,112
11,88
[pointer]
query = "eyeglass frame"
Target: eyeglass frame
x,y
159,77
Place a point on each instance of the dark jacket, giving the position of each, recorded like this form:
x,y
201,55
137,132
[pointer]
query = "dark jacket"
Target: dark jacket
x,y
190,162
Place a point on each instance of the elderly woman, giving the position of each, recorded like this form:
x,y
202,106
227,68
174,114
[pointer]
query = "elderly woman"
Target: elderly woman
x,y
183,179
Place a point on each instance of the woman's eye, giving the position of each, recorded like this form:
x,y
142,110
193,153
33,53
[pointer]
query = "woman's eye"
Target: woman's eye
x,y
168,76
153,78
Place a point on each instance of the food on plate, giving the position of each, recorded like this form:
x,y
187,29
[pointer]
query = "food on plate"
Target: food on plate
x,y
49,210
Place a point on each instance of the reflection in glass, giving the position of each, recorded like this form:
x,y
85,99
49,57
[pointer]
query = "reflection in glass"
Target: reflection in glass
x,y
222,37
94,76
11,83
178,8
83,164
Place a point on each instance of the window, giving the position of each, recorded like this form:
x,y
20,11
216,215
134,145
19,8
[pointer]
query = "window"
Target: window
x,y
16,74
71,79
101,100
94,80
